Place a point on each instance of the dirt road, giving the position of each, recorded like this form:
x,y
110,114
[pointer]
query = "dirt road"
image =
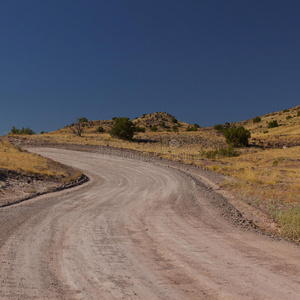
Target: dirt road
x,y
136,231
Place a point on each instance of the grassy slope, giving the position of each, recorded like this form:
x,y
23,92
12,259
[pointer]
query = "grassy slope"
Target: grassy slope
x,y
266,175
19,160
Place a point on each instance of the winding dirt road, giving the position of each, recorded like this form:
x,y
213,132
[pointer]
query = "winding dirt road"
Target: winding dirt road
x,y
137,230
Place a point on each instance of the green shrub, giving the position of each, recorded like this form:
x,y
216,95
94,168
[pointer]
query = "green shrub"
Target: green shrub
x,y
256,120
192,129
237,136
163,124
100,129
14,130
266,131
23,131
286,110
144,115
219,127
179,125
273,124
123,129
174,120
288,117
298,113
153,128
140,129
196,125
83,120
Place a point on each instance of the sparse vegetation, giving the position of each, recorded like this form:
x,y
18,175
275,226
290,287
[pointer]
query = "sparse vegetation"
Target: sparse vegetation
x,y
221,152
288,117
23,131
140,129
286,110
153,128
273,124
100,129
219,127
256,120
83,120
174,120
196,125
192,129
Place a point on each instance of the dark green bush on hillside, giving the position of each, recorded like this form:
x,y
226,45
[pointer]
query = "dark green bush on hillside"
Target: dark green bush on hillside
x,y
153,128
298,113
219,127
140,129
237,136
192,129
256,120
123,129
174,120
273,124
100,129
196,125
286,110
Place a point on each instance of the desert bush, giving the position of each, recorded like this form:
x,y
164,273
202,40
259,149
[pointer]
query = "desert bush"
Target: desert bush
x,y
174,120
288,117
273,124
219,127
192,129
266,131
163,124
298,113
196,125
140,129
222,152
237,136
123,129
256,120
83,120
153,128
100,129
286,110
144,115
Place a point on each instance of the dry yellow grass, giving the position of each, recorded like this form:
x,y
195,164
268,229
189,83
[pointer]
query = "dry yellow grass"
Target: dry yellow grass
x,y
17,159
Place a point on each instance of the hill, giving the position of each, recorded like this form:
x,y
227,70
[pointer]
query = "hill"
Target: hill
x,y
265,175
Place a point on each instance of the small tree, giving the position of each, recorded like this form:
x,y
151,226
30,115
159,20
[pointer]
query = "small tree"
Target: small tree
x,y
196,125
123,129
77,127
83,120
153,128
273,124
14,130
237,136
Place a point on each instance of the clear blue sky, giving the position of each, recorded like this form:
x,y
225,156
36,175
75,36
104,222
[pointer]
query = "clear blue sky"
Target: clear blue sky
x,y
205,61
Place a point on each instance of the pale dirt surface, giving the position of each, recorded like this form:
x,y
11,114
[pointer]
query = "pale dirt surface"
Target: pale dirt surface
x,y
136,230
